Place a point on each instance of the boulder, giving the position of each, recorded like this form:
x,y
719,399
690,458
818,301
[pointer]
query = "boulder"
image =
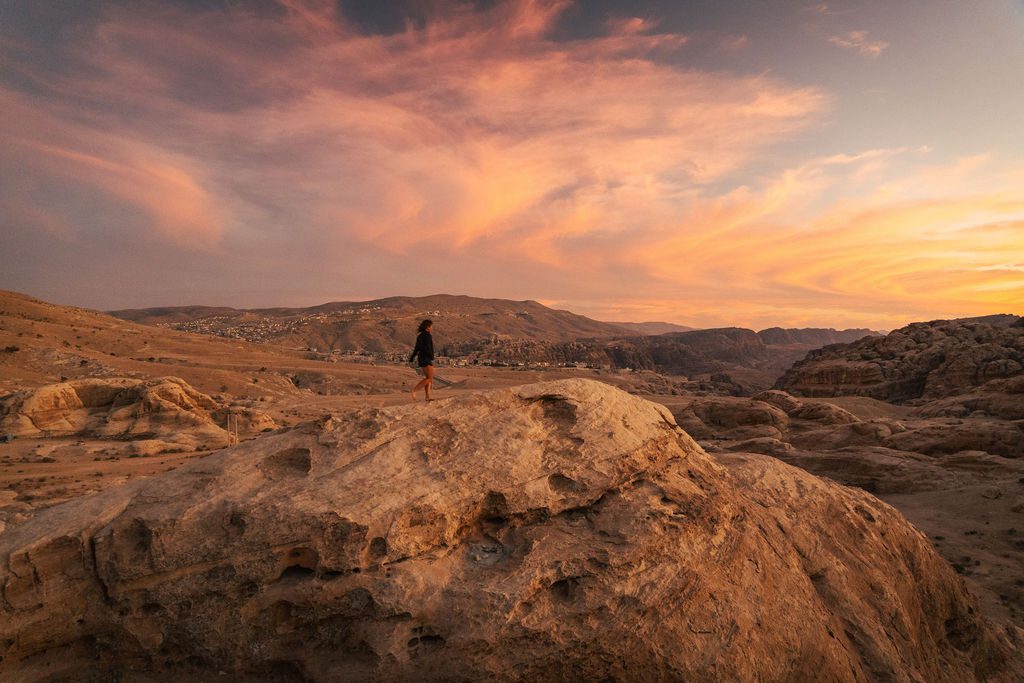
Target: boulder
x,y
167,409
733,418
558,531
764,445
832,437
780,399
825,413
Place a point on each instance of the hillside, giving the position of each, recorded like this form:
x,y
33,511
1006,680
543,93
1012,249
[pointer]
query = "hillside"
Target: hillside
x,y
42,343
498,331
382,325
654,327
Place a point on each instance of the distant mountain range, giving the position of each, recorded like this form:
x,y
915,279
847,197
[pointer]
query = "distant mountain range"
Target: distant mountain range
x,y
506,332
382,325
655,327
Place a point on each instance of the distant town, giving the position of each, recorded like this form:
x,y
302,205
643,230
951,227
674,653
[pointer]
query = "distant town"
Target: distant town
x,y
495,351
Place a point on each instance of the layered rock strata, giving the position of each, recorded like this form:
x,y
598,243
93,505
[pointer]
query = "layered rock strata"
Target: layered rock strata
x,y
925,361
166,409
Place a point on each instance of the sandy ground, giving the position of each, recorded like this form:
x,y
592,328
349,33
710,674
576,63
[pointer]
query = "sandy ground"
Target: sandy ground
x,y
975,529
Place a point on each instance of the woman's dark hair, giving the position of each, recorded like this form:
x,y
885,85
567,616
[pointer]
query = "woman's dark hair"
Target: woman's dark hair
x,y
425,324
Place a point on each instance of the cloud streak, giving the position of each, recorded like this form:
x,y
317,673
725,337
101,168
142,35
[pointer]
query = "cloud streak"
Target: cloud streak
x,y
859,42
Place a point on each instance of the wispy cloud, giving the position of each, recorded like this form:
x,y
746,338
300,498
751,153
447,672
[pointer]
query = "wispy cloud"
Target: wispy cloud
x,y
629,26
824,9
474,127
859,42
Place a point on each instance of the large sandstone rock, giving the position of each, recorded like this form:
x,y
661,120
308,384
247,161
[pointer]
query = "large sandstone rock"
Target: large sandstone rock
x,y
920,361
559,531
168,409
718,417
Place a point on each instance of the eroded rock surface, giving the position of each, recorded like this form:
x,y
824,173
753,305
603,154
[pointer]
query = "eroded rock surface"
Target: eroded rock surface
x,y
164,410
956,477
557,531
928,361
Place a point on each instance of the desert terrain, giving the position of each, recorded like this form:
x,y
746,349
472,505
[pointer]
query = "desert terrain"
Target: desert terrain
x,y
502,333
99,413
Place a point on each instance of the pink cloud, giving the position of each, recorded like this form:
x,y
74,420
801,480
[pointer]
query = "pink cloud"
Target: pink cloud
x,y
163,186
630,26
860,43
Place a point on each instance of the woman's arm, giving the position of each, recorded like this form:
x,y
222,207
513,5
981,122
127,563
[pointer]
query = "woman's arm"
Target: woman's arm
x,y
416,350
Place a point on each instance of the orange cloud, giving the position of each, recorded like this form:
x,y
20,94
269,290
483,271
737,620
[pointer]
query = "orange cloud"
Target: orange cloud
x,y
877,258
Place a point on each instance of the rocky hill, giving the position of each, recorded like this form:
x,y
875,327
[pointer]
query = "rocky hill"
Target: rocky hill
x,y
925,361
559,531
501,331
382,325
812,336
752,359
42,343
654,327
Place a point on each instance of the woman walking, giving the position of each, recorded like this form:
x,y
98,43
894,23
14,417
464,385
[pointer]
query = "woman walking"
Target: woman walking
x,y
425,350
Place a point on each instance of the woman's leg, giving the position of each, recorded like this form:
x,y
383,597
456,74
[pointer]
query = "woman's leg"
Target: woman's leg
x,y
428,379
425,383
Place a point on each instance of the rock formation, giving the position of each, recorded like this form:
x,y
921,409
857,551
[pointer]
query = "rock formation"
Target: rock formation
x,y
812,336
165,409
558,531
959,478
881,454
920,361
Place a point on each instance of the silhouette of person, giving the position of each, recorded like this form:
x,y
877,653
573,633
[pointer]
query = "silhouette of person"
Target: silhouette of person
x,y
425,350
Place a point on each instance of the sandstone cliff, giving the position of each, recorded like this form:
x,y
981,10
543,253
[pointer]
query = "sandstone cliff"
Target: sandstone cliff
x,y
558,531
920,361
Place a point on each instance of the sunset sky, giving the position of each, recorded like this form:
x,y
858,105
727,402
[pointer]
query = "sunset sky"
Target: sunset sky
x,y
840,164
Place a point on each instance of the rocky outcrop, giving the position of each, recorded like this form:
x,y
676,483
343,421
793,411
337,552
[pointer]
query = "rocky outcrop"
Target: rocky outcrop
x,y
166,409
956,477
943,436
812,336
924,361
559,531
776,423
735,418
1000,398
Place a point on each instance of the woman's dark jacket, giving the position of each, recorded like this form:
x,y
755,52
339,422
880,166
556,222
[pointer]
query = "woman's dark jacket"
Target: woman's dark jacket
x,y
424,349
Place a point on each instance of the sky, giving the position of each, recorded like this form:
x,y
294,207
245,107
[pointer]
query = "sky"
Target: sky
x,y
717,163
